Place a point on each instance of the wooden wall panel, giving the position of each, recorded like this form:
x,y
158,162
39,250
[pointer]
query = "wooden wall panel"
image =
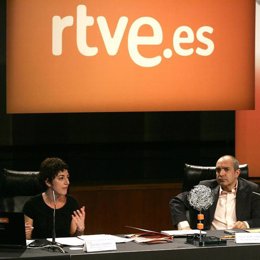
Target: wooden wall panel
x,y
110,208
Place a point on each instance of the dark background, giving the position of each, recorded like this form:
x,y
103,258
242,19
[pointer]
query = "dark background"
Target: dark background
x,y
127,147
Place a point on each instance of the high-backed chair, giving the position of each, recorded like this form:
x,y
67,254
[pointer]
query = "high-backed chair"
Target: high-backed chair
x,y
16,187
193,174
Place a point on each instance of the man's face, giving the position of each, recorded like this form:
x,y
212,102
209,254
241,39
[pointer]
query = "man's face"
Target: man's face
x,y
226,175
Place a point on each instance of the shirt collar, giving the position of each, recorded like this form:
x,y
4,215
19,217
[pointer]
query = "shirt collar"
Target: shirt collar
x,y
233,191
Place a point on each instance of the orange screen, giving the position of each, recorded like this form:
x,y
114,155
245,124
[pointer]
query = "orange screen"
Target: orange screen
x,y
248,122
131,55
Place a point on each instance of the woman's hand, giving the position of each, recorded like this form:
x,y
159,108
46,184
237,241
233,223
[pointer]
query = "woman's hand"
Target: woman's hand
x,y
78,218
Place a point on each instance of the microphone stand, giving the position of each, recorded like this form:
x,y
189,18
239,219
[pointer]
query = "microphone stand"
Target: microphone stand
x,y
54,245
54,219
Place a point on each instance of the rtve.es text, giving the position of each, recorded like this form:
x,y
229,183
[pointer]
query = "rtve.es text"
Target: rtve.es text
x,y
182,39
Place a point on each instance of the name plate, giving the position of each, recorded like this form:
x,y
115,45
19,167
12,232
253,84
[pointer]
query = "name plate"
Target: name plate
x,y
96,243
247,238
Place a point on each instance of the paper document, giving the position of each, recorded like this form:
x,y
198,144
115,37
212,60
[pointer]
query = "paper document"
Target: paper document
x,y
149,236
117,239
29,241
68,241
181,233
253,230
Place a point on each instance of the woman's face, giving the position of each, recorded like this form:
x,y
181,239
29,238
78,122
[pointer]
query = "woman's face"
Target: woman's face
x,y
60,183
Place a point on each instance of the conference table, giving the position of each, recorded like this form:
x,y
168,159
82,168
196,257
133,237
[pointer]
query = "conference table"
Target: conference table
x,y
177,249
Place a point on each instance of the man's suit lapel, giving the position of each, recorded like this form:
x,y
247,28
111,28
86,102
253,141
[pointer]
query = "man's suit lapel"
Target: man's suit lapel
x,y
241,200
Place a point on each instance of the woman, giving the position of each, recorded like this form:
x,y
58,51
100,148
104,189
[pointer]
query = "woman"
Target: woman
x,y
39,210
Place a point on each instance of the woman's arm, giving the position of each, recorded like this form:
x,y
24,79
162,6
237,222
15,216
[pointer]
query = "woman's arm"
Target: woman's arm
x,y
28,227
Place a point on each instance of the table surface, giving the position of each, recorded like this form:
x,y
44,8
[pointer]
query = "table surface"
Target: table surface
x,y
177,249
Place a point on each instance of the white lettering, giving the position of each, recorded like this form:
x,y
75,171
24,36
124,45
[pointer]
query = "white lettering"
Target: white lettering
x,y
134,41
112,43
58,25
205,40
183,37
178,39
83,21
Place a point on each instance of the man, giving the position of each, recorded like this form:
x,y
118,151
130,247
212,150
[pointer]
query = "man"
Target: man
x,y
235,203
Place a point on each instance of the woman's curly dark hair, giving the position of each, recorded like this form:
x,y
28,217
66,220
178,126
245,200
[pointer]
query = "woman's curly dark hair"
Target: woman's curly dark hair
x,y
50,168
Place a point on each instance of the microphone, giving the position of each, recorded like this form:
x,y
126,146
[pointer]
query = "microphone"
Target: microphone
x,y
54,245
54,219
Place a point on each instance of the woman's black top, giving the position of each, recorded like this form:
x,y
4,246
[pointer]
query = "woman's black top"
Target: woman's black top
x,y
42,215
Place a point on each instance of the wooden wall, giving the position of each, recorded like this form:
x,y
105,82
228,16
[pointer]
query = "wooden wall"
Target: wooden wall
x,y
112,207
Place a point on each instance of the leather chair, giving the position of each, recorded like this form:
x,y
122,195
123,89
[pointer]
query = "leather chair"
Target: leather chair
x,y
17,187
193,174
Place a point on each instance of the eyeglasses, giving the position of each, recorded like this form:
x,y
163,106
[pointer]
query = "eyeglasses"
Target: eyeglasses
x,y
226,169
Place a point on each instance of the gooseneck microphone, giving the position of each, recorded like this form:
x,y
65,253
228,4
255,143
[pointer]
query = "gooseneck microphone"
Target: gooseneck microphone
x,y
54,219
54,245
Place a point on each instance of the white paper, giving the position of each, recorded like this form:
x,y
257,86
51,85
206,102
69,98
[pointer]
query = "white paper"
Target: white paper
x,y
117,239
121,239
246,238
182,232
29,241
68,241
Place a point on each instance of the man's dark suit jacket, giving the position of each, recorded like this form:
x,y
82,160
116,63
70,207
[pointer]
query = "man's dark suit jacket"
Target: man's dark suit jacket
x,y
247,205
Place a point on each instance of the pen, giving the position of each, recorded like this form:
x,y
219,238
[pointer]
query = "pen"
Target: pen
x,y
228,237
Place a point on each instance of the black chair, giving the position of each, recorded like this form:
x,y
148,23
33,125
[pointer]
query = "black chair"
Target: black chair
x,y
193,174
16,187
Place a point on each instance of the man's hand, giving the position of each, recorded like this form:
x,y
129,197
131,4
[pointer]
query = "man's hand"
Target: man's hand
x,y
240,225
